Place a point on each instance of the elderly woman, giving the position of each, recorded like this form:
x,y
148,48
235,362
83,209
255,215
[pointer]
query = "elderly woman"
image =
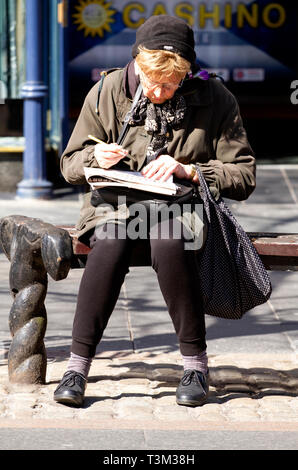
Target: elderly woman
x,y
179,121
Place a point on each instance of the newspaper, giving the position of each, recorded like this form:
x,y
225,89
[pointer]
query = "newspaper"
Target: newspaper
x,y
101,178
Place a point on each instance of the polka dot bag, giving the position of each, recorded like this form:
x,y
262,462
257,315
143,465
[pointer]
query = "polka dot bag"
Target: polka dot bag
x,y
232,276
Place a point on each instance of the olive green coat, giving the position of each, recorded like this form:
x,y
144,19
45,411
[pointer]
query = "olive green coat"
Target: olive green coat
x,y
211,135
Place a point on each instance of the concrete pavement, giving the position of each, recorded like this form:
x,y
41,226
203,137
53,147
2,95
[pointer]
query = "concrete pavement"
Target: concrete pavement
x,y
130,398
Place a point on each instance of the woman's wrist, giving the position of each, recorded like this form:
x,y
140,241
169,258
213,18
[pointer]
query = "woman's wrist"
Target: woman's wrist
x,y
192,172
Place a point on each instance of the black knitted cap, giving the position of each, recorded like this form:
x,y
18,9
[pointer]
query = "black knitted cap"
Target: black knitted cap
x,y
164,32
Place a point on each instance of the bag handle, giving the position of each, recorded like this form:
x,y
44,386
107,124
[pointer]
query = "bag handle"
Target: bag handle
x,y
206,194
126,120
134,103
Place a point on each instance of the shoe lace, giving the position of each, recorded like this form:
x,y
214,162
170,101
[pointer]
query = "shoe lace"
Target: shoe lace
x,y
192,375
71,380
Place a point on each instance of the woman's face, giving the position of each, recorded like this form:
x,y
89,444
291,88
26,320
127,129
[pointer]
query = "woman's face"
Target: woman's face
x,y
158,89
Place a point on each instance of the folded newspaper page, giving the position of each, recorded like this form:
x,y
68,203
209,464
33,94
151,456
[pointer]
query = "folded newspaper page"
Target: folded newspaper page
x,y
101,178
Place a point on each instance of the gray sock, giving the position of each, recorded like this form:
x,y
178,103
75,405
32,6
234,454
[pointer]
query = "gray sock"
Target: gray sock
x,y
198,362
79,364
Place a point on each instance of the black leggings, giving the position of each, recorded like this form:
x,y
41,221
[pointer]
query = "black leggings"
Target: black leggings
x,y
106,267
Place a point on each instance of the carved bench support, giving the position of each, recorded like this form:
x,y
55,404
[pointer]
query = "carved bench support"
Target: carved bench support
x,y
34,248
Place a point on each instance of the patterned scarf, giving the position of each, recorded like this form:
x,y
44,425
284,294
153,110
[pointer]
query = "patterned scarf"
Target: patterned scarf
x,y
158,120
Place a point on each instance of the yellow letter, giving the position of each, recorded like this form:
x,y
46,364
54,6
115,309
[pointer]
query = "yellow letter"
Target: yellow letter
x,y
266,15
181,13
251,18
228,15
203,15
126,15
159,10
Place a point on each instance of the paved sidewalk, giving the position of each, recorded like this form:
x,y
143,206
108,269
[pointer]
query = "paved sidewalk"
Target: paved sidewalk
x,y
130,398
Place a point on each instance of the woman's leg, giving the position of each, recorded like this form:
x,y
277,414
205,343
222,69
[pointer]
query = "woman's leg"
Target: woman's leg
x,y
106,267
177,276
103,276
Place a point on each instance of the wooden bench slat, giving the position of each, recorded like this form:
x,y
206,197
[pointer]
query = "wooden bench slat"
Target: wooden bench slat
x,y
285,245
266,244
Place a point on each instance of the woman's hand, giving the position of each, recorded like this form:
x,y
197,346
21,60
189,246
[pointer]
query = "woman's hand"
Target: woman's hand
x,y
108,155
164,166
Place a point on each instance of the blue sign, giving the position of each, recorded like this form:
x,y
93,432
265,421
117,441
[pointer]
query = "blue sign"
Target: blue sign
x,y
244,41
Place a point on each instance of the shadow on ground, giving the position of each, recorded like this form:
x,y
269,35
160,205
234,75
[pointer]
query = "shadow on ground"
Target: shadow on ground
x,y
226,382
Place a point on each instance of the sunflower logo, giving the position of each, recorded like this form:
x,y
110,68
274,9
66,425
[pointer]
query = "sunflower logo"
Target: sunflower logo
x,y
94,17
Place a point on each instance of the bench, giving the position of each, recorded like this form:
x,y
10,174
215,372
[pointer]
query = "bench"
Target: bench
x,y
37,249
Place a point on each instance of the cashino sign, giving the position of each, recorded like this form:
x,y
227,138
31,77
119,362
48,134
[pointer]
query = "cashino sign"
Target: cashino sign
x,y
96,17
241,40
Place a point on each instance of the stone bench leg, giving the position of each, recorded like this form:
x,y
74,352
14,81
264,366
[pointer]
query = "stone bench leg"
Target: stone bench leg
x,y
34,249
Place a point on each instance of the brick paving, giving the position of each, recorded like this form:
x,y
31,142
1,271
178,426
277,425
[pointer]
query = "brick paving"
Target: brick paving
x,y
138,390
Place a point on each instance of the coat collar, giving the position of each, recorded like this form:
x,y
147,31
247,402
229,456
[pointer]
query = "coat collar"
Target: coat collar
x,y
197,92
130,80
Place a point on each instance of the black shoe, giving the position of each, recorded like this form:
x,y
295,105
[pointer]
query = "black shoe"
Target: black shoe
x,y
193,388
71,389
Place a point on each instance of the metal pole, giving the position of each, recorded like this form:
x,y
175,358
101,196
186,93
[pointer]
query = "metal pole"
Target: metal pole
x,y
63,75
34,91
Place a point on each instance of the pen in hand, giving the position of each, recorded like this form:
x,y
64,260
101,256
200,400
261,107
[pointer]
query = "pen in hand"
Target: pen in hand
x,y
95,139
116,147
108,155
